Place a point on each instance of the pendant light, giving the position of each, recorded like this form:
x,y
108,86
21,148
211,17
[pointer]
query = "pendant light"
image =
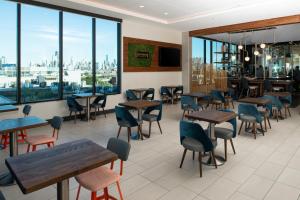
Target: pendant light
x,y
247,58
256,53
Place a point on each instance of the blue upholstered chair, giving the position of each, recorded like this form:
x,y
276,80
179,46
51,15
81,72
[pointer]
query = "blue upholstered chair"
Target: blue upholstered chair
x,y
99,102
249,114
276,106
125,119
178,92
267,112
149,116
194,138
188,104
131,96
149,94
165,94
267,85
227,134
74,106
286,102
217,99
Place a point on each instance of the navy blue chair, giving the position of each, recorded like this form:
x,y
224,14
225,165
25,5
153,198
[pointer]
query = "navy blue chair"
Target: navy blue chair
x,y
99,102
165,94
194,138
217,99
286,102
149,116
227,134
188,104
249,114
125,119
178,92
131,96
267,112
149,94
276,106
74,106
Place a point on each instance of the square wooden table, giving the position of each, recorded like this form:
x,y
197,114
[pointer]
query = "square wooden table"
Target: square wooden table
x,y
139,91
40,169
88,97
13,126
213,117
278,94
257,101
8,108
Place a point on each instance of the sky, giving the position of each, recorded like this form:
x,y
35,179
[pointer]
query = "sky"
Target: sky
x,y
40,32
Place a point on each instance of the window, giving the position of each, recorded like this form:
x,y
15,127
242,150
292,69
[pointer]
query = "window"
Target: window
x,y
106,56
77,49
208,52
198,50
40,56
8,44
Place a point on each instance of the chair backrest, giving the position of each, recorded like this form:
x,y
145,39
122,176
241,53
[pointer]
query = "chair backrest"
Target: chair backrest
x,y
149,94
178,89
250,110
217,95
188,101
287,99
124,116
267,85
158,107
56,123
275,101
100,98
26,110
72,103
244,83
130,95
231,121
165,91
195,131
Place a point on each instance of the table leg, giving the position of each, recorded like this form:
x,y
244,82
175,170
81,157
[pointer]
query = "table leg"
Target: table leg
x,y
209,160
135,136
172,95
88,108
7,179
63,190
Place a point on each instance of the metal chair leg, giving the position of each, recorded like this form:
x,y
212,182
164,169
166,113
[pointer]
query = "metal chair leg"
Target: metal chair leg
x,y
183,156
200,163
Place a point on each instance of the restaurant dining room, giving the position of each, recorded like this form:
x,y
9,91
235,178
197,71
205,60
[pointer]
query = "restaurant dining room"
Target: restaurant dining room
x,y
149,100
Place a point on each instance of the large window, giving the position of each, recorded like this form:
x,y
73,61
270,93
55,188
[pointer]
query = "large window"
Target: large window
x,y
50,53
106,56
40,54
8,43
77,67
208,52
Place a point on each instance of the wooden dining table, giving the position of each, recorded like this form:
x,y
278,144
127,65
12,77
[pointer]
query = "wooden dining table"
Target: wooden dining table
x,y
278,94
13,126
213,117
256,101
40,169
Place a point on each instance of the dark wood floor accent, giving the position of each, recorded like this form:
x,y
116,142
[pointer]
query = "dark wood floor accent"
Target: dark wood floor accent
x,y
37,170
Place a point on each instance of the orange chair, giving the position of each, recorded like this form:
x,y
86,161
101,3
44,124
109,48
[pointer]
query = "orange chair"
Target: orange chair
x,y
101,177
36,140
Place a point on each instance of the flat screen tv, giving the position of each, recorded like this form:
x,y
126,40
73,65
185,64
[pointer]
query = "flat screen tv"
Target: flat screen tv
x,y
169,57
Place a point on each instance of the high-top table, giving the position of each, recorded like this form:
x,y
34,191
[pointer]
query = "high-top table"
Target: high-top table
x,y
88,97
213,117
8,108
40,169
139,91
13,126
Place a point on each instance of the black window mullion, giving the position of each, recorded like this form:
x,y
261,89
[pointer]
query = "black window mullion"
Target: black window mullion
x,y
119,29
94,53
19,54
204,49
61,70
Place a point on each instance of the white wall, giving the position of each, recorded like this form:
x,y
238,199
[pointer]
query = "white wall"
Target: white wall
x,y
129,79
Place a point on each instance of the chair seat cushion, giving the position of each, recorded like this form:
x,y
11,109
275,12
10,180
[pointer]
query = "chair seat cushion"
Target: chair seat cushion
x,y
223,133
39,139
98,178
149,117
127,124
247,118
195,145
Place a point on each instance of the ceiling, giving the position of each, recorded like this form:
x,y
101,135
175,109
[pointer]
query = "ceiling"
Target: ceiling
x,y
187,15
284,33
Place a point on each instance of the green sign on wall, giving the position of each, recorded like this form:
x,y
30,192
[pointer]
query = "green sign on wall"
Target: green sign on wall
x,y
140,55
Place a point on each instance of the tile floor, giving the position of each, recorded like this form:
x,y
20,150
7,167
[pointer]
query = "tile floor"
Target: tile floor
x,y
266,168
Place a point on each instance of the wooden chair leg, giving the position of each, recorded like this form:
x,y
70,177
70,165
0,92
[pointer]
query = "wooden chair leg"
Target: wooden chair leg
x,y
119,131
28,148
119,190
241,127
285,112
128,134
254,130
159,127
200,163
104,112
288,109
233,149
33,147
268,119
193,155
214,158
49,145
225,149
261,127
75,117
140,132
78,192
265,122
94,196
183,156
150,128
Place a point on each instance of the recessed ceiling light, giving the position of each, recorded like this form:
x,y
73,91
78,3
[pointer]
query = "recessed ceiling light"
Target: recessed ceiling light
x,y
165,13
141,6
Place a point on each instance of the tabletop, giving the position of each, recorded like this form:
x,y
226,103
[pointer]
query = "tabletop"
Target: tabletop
x,y
257,101
278,94
13,125
85,95
39,169
139,104
212,116
196,94
139,89
8,108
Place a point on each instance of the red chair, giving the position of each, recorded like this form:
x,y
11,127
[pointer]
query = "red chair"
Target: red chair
x,y
102,177
36,140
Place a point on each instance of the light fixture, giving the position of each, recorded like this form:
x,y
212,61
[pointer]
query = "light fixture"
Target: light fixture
x,y
141,6
165,13
256,52
240,47
268,57
233,57
262,45
247,58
